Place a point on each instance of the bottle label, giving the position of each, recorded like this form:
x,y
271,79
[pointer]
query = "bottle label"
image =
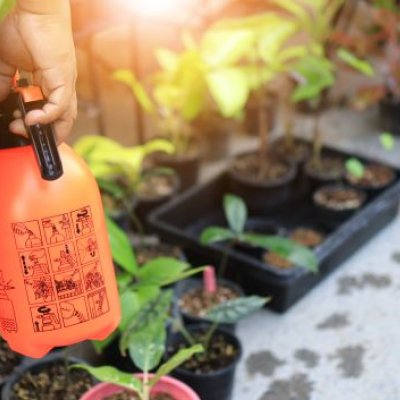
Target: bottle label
x,y
61,267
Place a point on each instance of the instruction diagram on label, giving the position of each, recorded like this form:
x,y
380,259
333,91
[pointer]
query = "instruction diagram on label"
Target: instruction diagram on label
x,y
63,257
82,221
8,322
87,249
34,262
92,276
61,269
27,234
57,229
68,284
45,318
98,303
40,290
74,311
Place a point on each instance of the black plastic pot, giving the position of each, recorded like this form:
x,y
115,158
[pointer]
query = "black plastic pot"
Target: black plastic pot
x,y
186,166
264,197
279,148
217,385
146,205
191,284
370,189
389,115
332,217
35,366
316,179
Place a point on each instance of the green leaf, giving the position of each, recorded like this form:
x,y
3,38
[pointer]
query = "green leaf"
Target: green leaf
x,y
230,90
233,311
161,270
355,168
174,362
215,234
288,249
112,375
235,212
5,7
147,346
130,307
127,77
354,62
114,189
167,59
121,248
314,74
152,309
387,141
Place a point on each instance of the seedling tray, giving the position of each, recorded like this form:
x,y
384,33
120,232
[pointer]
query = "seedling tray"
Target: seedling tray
x,y
182,220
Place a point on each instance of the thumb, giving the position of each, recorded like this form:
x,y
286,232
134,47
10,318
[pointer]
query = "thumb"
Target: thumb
x,y
6,76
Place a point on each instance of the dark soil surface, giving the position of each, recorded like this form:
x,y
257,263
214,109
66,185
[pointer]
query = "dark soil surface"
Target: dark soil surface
x,y
156,187
131,396
8,360
277,261
294,152
339,198
248,167
307,237
220,355
146,253
328,168
53,383
375,176
197,302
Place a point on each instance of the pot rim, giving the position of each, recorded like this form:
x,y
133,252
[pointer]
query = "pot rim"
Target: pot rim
x,y
100,387
232,366
359,186
284,180
363,197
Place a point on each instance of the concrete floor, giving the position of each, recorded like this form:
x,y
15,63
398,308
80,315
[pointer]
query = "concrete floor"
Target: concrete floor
x,y
342,340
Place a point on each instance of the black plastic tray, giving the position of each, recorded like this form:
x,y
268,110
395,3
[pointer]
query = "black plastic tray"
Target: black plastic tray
x,y
182,220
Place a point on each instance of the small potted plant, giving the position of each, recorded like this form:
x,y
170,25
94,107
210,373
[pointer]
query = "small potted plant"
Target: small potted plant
x,y
236,213
195,297
140,288
211,373
145,339
49,379
129,191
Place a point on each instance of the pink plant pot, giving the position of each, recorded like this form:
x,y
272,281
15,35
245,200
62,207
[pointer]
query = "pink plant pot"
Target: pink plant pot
x,y
169,385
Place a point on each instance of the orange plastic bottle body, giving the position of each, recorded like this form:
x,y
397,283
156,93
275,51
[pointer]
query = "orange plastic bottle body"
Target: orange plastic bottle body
x,y
57,281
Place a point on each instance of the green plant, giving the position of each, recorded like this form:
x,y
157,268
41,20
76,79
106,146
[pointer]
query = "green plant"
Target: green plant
x,y
236,215
147,357
229,312
119,169
142,298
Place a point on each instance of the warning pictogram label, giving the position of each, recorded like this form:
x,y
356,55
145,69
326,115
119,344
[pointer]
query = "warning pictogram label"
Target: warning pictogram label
x,y
62,274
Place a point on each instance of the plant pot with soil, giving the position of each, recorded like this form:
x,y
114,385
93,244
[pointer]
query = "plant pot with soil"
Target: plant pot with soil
x,y
195,297
292,150
307,236
9,361
167,388
50,379
211,373
265,184
323,171
372,177
336,203
156,188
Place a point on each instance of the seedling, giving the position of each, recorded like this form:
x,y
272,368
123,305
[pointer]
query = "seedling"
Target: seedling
x,y
236,214
229,312
355,168
387,141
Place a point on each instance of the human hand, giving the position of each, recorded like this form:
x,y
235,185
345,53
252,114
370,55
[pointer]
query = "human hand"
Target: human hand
x,y
36,37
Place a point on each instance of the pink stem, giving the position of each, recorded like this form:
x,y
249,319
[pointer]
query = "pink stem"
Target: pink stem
x,y
210,280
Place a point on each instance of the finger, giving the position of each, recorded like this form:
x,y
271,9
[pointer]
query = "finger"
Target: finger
x,y
18,127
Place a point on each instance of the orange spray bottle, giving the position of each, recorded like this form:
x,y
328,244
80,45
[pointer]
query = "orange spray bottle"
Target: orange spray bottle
x,y
57,282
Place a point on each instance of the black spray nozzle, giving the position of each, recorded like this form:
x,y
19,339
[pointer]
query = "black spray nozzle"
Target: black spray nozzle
x,y
44,143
